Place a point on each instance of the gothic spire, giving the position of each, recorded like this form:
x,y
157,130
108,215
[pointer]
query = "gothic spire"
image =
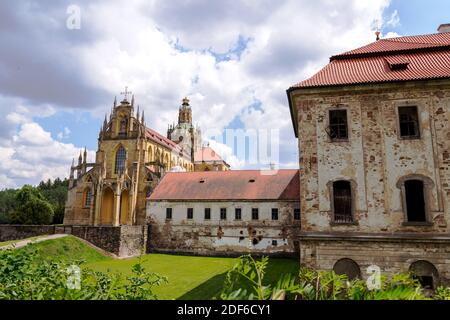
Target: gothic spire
x,y
143,118
132,100
85,155
137,114
115,102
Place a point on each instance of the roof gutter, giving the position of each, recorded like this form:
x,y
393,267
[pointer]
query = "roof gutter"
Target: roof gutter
x,y
292,111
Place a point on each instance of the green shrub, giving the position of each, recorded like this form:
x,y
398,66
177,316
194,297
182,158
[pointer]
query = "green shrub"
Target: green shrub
x,y
23,276
245,281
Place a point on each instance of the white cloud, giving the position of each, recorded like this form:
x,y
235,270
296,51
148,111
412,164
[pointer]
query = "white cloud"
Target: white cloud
x,y
165,50
394,20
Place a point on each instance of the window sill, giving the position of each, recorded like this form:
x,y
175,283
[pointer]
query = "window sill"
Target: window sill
x,y
417,224
410,138
339,141
344,223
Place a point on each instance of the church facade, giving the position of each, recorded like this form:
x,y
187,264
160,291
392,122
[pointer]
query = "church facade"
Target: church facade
x,y
129,162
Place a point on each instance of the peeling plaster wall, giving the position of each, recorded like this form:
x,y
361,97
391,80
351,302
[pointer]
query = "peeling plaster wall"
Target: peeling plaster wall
x,y
383,253
225,237
374,158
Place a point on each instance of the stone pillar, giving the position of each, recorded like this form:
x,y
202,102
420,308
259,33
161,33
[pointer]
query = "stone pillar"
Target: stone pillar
x,y
116,211
98,205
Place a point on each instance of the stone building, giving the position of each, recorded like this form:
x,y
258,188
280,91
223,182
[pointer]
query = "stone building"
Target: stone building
x,y
129,162
374,141
226,213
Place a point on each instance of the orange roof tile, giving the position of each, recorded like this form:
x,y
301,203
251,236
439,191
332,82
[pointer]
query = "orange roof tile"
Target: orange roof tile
x,y
228,185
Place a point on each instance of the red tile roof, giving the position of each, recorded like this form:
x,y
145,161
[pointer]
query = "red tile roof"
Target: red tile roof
x,y
207,154
426,57
228,185
160,139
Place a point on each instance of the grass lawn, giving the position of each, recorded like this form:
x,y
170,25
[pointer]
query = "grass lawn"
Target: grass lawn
x,y
190,277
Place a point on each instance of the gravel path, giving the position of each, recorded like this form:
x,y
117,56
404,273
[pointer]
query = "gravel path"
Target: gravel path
x,y
23,243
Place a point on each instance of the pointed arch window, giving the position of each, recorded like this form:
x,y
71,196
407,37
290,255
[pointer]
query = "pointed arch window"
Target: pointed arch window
x,y
121,156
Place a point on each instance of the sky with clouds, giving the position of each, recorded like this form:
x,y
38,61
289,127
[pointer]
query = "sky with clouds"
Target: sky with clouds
x,y
234,59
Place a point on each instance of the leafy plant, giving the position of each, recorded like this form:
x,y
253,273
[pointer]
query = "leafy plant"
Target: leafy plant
x,y
23,276
318,285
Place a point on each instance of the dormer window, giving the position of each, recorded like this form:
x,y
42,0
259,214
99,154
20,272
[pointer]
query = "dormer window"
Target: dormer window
x,y
397,63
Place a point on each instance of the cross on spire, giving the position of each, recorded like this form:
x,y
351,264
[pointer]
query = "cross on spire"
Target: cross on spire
x,y
126,93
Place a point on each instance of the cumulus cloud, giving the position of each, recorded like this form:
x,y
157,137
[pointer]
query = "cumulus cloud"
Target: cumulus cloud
x,y
234,59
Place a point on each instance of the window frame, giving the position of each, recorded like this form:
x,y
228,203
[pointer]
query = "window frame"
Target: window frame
x,y
338,109
116,157
207,214
169,213
353,189
190,214
223,214
236,210
399,123
295,214
276,212
255,210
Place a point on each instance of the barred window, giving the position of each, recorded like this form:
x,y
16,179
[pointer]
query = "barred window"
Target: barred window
x,y
121,156
342,194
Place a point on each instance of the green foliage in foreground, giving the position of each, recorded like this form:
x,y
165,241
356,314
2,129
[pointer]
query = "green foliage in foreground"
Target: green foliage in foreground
x,y
318,285
23,276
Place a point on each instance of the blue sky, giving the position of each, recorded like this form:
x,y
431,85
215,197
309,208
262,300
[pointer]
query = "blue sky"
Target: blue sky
x,y
234,60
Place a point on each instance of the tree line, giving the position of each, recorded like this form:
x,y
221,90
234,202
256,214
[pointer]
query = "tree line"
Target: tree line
x,y
41,204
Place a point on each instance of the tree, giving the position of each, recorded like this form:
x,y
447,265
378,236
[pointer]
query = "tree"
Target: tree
x,y
32,207
7,204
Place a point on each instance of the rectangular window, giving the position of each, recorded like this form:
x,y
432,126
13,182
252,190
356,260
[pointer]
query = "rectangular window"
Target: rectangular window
x,y
274,213
238,214
409,122
255,214
190,213
223,213
296,214
169,213
338,129
342,195
207,213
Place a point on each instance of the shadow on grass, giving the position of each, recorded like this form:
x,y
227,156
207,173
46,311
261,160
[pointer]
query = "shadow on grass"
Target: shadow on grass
x,y
207,290
211,288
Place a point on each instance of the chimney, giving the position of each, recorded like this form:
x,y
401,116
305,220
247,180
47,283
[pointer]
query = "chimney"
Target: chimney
x,y
444,28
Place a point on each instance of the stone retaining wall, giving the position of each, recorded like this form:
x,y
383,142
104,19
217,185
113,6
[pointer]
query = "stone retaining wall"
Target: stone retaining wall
x,y
123,241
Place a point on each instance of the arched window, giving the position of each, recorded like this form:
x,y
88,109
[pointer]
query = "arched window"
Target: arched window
x,y
426,273
121,156
150,154
342,202
87,198
348,267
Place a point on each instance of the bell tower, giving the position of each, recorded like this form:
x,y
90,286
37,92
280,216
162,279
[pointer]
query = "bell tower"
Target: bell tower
x,y
184,133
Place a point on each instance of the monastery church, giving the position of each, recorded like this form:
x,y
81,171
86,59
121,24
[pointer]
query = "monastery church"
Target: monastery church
x,y
130,161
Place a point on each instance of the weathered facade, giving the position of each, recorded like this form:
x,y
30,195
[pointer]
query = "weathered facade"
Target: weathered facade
x,y
130,161
374,141
226,213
